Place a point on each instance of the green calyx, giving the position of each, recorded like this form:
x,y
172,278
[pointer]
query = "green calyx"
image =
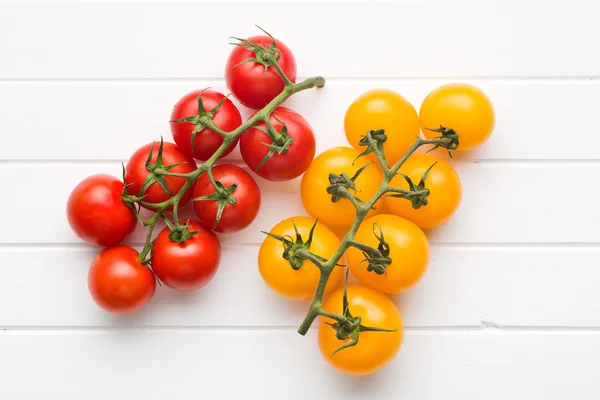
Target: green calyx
x,y
373,140
340,185
350,327
130,201
223,196
201,120
158,170
281,140
418,193
449,139
378,259
264,55
292,246
179,233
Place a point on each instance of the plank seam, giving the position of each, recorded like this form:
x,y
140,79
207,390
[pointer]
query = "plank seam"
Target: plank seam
x,y
239,161
340,79
249,329
253,245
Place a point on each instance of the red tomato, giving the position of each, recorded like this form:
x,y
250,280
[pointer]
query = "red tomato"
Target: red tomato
x,y
117,281
136,172
280,167
249,82
189,265
235,216
96,213
206,141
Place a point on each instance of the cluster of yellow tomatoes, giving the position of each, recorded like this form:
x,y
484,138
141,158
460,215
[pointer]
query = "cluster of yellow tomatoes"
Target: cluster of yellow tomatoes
x,y
461,107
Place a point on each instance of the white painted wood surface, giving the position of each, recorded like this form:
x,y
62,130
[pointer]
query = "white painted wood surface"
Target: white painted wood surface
x,y
509,307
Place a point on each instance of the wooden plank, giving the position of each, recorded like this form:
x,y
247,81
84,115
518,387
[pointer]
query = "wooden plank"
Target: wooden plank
x,y
75,40
169,364
108,121
502,203
464,287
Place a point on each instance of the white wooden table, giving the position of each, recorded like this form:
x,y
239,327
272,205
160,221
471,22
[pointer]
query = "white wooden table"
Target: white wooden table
x,y
510,306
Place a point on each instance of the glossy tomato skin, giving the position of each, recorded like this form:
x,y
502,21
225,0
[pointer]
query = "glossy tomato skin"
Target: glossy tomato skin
x,y
280,167
118,283
445,191
383,109
237,216
313,187
277,272
409,251
374,349
190,265
462,107
248,81
206,142
96,212
136,172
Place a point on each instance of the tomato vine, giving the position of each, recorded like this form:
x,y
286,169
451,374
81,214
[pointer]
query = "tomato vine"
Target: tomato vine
x,y
341,187
340,190
205,120
375,144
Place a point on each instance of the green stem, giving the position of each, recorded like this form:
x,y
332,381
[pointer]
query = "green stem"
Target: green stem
x,y
407,193
316,307
150,223
277,137
211,178
307,255
338,318
176,212
228,139
327,267
282,74
382,160
367,249
350,197
175,174
209,123
399,191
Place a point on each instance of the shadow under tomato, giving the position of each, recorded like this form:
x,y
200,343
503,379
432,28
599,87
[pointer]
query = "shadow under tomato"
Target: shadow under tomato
x,y
359,385
164,302
167,297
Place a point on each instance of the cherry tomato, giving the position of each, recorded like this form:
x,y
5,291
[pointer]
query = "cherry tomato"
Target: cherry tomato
x,y
117,281
383,109
96,213
408,249
190,265
286,166
206,141
445,191
462,107
249,82
136,172
277,272
235,217
313,188
374,349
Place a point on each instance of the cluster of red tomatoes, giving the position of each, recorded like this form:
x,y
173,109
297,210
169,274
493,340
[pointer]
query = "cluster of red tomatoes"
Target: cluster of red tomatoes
x,y
103,210
461,107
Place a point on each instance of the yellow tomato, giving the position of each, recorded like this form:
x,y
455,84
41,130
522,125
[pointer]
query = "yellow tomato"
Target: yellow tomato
x,y
462,107
409,251
313,188
383,109
374,349
445,191
277,272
